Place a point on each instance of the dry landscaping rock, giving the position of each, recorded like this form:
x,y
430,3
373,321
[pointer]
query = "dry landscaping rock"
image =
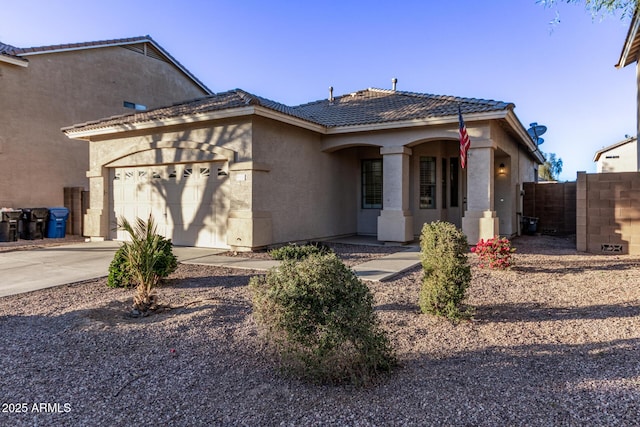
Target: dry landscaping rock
x,y
554,341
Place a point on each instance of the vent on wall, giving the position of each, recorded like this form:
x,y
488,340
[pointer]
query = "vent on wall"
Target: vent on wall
x,y
609,247
147,50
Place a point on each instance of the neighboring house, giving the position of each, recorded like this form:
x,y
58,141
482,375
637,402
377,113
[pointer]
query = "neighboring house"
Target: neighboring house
x,y
619,157
235,170
45,88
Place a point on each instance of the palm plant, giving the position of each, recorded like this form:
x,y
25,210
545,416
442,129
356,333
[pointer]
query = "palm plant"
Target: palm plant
x,y
145,254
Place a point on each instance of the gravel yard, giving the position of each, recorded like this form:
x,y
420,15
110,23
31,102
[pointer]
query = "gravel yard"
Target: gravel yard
x,y
554,341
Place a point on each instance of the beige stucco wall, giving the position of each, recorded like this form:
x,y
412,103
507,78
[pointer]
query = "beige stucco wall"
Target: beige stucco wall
x,y
619,159
519,168
288,184
309,193
61,89
229,141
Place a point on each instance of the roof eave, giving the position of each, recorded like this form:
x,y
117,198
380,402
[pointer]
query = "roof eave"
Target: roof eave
x,y
289,119
80,131
180,67
85,47
629,53
14,60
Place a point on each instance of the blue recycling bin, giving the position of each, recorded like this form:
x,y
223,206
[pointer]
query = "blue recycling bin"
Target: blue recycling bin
x,y
57,224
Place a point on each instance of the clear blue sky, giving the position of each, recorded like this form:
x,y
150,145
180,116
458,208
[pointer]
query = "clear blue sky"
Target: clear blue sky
x,y
562,76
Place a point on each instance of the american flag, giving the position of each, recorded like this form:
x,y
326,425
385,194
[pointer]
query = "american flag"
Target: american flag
x,y
465,142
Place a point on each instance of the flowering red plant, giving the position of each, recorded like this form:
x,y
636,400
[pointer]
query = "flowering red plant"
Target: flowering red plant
x,y
494,253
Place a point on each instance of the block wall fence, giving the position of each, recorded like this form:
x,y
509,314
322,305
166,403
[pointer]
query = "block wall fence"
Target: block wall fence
x,y
608,212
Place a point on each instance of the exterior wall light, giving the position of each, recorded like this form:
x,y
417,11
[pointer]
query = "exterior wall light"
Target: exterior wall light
x,y
502,170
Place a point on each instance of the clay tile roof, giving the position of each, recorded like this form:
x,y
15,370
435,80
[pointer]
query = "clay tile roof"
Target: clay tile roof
x,y
6,48
373,106
368,106
232,99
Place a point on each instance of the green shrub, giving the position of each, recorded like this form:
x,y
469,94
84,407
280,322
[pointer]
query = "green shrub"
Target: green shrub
x,y
293,251
119,276
447,274
119,272
318,317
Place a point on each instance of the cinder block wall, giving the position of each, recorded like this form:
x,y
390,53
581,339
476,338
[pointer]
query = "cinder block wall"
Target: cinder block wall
x,y
554,204
608,212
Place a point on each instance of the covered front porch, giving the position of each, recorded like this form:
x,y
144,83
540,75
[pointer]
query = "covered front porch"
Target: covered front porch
x,y
402,187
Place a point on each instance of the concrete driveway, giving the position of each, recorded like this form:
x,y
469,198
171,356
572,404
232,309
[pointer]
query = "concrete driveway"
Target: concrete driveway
x,y
30,270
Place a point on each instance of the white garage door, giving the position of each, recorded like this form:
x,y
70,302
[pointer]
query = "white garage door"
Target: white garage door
x,y
188,201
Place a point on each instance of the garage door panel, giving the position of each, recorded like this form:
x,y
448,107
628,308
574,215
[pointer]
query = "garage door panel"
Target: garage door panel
x,y
188,202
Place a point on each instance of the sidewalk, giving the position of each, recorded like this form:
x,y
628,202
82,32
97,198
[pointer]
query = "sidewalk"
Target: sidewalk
x,y
43,267
377,270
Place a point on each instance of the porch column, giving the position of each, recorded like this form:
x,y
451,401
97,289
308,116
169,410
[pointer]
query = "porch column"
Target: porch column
x,y
480,220
395,223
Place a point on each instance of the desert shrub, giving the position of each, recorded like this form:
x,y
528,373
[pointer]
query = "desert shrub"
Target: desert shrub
x,y
318,317
494,253
119,272
293,251
149,259
119,276
447,274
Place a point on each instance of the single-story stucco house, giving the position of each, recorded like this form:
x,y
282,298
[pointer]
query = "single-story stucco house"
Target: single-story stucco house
x,y
235,170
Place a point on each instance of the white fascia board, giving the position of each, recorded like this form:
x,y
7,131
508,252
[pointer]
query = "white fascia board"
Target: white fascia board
x,y
154,124
468,118
13,60
628,43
